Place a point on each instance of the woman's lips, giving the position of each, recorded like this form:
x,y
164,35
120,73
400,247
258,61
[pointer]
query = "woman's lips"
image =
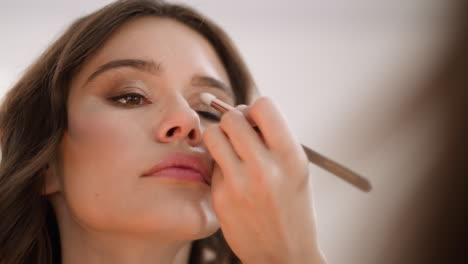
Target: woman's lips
x,y
180,173
181,166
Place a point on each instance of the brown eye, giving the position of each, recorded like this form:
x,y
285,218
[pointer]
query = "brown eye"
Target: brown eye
x,y
130,99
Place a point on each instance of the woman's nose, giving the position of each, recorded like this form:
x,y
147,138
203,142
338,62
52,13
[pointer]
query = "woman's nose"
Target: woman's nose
x,y
178,124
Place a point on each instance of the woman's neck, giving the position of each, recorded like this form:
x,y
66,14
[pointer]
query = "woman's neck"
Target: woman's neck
x,y
107,249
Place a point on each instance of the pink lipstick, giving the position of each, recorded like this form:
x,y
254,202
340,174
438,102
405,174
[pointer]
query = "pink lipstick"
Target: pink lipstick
x,y
181,166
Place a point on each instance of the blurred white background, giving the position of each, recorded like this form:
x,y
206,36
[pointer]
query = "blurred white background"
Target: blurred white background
x,y
345,73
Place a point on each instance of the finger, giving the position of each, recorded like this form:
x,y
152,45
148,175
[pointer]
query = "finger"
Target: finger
x,y
245,141
216,180
241,106
273,125
220,149
245,111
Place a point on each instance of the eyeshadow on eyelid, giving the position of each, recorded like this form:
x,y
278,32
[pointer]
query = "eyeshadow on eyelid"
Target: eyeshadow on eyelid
x,y
227,99
221,96
123,82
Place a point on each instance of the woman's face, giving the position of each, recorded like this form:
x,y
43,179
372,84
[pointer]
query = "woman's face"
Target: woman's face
x,y
134,103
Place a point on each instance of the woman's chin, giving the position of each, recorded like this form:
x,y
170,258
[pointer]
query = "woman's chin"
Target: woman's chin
x,y
197,226
187,223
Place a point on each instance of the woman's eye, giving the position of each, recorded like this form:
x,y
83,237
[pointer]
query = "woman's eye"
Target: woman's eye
x,y
130,99
209,115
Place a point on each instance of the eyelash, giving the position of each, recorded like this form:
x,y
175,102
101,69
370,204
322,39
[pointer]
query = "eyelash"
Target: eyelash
x,y
209,115
123,96
115,99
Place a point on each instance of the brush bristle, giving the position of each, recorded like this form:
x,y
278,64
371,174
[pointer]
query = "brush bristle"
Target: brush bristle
x,y
207,98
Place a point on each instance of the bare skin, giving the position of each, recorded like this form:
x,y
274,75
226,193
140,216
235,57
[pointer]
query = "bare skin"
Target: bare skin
x,y
107,213
261,188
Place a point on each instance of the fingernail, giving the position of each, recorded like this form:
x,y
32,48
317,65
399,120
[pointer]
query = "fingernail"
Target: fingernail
x,y
242,108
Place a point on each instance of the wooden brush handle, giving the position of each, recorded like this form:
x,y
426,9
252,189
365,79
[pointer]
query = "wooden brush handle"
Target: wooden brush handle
x,y
338,170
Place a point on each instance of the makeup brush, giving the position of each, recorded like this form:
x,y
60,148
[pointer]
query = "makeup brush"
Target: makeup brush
x,y
314,157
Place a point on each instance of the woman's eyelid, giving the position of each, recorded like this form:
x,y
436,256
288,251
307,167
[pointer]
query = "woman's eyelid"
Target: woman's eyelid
x,y
225,98
135,85
129,90
202,107
139,88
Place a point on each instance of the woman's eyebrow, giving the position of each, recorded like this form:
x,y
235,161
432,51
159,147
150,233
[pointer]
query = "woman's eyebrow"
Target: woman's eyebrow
x,y
155,68
142,65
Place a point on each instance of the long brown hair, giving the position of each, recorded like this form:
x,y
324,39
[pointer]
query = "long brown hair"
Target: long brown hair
x,y
34,117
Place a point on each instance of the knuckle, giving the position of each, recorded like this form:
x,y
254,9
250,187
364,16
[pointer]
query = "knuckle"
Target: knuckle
x,y
297,166
262,103
298,163
261,106
230,118
262,170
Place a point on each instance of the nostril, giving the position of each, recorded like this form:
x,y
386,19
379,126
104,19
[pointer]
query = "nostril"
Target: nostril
x,y
171,131
192,134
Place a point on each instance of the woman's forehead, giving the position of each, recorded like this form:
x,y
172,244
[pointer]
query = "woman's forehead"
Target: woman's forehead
x,y
170,44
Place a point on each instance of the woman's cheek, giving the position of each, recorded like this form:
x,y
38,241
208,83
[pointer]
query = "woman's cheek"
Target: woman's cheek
x,y
96,149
